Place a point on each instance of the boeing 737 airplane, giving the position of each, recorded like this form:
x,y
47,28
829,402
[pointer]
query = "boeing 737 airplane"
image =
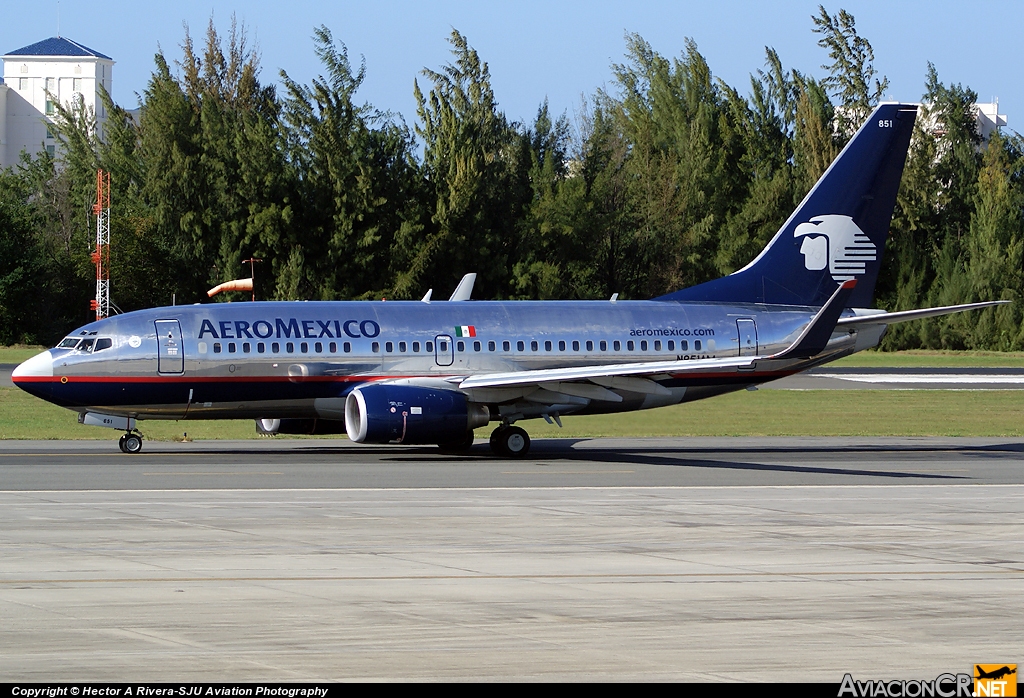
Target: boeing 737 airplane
x,y
422,372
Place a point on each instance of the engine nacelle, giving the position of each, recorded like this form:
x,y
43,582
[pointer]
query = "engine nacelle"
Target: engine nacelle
x,y
300,426
380,414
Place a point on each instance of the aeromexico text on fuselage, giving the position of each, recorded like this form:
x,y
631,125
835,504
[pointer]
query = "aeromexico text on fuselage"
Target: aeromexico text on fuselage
x,y
288,328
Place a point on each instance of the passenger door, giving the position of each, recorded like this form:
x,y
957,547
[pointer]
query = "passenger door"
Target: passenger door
x,y
170,357
748,337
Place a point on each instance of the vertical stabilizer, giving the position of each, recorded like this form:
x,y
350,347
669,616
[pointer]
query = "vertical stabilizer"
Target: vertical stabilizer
x,y
838,231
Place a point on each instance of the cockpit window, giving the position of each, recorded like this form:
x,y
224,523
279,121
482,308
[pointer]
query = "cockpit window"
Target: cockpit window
x,y
102,343
68,343
86,345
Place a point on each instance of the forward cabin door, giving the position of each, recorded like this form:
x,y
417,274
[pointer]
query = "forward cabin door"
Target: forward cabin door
x,y
748,337
170,357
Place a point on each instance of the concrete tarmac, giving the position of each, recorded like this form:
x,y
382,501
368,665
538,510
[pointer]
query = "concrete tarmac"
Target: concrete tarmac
x,y
658,559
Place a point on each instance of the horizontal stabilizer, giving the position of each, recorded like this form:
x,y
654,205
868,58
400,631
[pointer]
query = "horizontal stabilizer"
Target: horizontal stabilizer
x,y
884,318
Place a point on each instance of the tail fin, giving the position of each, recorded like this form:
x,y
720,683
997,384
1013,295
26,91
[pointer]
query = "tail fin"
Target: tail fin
x,y
838,231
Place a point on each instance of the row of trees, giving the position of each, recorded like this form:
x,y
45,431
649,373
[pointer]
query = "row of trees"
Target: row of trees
x,y
670,178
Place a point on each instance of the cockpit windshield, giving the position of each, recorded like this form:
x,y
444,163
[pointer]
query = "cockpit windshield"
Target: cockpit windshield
x,y
85,344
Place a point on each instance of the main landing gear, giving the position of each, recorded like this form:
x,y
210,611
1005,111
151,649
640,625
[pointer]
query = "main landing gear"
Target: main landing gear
x,y
510,441
130,443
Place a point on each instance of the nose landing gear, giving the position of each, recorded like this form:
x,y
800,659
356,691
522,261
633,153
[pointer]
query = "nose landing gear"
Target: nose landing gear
x,y
510,442
130,443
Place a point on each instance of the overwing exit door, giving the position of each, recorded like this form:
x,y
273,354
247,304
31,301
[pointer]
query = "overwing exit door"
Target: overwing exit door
x,y
748,337
444,351
170,357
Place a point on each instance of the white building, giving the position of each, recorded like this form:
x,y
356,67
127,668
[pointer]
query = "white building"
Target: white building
x,y
35,77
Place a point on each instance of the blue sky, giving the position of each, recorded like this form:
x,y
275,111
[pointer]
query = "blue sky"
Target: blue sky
x,y
553,49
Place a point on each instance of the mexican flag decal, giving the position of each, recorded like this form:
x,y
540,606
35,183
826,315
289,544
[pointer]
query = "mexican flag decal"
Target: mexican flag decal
x,y
465,331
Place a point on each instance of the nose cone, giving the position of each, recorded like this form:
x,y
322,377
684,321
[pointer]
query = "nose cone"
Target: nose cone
x,y
39,366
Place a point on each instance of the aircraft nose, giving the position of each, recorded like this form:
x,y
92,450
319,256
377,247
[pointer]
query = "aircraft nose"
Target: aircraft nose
x,y
40,365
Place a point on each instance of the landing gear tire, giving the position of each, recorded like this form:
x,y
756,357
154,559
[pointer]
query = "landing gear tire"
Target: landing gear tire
x,y
511,442
131,443
120,443
458,447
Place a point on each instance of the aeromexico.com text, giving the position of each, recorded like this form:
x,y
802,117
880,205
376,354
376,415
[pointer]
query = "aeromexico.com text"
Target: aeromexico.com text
x,y
673,332
284,328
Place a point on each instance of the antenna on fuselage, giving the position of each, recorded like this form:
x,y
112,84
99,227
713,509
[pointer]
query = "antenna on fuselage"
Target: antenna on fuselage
x,y
464,290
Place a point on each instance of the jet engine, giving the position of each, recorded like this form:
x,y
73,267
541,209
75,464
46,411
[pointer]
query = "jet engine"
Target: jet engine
x,y
411,415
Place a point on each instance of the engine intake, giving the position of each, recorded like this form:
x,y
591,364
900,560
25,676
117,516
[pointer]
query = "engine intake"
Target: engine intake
x,y
380,414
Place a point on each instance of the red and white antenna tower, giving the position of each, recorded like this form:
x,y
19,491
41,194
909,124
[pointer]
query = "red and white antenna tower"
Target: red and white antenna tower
x,y
101,257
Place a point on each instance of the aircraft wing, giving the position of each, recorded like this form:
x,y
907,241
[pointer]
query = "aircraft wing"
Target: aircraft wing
x,y
596,373
629,376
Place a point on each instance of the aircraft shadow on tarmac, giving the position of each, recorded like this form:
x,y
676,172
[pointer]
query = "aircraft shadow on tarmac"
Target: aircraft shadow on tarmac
x,y
562,450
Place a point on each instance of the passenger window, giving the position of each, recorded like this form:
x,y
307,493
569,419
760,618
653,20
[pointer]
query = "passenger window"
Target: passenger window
x,y
617,345
561,345
643,345
657,345
402,347
630,345
443,346
347,346
389,347
102,344
318,347
575,345
289,347
603,345
429,346
260,347
416,347
521,346
304,347
506,346
491,346
476,346
216,347
246,347
231,347
684,345
696,345
461,346
333,347
590,345
533,345
275,347
671,345
375,347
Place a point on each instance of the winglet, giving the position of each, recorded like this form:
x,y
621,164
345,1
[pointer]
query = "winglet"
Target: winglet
x,y
426,296
815,336
464,290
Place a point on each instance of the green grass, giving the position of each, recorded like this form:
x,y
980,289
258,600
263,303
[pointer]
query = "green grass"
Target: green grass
x,y
760,413
927,358
18,353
